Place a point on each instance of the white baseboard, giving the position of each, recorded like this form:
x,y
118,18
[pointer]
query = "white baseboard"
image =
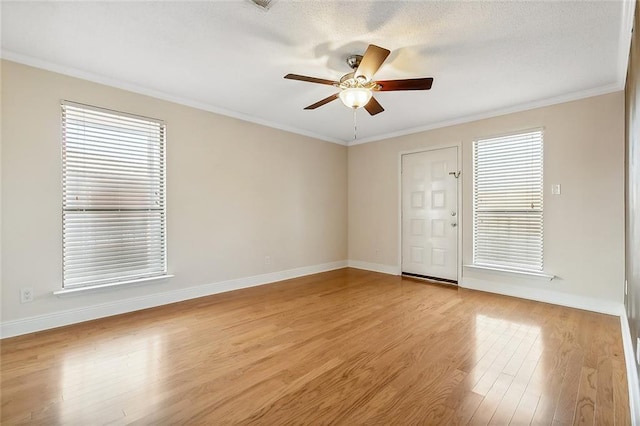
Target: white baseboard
x,y
73,316
540,295
375,267
547,296
632,370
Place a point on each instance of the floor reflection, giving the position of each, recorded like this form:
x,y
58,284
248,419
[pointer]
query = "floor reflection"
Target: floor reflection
x,y
505,347
108,381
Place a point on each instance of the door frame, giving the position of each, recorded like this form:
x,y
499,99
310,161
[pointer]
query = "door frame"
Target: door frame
x,y
458,146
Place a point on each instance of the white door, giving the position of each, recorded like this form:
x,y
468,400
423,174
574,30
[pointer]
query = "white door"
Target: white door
x,y
430,213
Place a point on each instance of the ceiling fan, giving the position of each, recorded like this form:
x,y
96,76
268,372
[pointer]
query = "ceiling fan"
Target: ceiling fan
x,y
357,87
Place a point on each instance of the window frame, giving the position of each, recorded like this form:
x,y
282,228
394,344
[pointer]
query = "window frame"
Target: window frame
x,y
497,264
159,144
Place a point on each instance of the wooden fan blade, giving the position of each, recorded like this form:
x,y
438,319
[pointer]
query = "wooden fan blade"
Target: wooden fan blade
x,y
373,107
324,101
311,79
407,84
371,61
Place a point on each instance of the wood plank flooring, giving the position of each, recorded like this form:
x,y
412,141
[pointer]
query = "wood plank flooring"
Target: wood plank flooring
x,y
345,347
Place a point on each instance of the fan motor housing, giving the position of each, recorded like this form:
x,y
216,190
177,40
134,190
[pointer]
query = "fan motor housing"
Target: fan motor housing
x,y
354,61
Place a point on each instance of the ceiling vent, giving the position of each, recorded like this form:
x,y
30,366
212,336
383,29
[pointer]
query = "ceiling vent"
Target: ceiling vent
x,y
263,4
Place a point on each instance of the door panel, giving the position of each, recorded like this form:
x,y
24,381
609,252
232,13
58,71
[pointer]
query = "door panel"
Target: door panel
x,y
430,213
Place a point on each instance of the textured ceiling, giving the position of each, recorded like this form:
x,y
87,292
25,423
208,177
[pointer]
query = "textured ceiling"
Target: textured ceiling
x,y
230,56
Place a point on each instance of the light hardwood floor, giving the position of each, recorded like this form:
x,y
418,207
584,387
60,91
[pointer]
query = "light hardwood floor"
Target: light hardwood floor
x,y
347,347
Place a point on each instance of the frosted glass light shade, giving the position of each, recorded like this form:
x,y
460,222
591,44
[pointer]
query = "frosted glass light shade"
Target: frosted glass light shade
x,y
355,97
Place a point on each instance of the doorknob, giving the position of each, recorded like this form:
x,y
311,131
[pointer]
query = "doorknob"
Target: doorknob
x,y
454,224
453,213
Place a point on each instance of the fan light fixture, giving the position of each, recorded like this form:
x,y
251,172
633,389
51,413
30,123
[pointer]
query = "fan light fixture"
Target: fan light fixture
x,y
355,89
355,97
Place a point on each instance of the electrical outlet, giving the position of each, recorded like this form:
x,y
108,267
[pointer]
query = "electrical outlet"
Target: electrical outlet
x,y
26,295
267,260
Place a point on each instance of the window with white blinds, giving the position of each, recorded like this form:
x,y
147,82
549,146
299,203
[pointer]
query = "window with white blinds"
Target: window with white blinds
x,y
113,214
507,202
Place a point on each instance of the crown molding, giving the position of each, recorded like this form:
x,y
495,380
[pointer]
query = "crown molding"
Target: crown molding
x,y
603,90
119,84
624,43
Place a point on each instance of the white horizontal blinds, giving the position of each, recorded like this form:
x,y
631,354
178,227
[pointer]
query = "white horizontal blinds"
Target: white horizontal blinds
x,y
113,196
507,220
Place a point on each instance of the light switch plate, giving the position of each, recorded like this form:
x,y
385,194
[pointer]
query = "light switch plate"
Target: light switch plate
x,y
555,189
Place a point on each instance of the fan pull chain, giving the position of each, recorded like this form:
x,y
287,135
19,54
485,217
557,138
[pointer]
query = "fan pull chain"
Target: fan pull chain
x,y
355,125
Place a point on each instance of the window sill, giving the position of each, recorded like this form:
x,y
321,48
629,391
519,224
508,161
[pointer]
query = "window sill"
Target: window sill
x,y
102,287
541,275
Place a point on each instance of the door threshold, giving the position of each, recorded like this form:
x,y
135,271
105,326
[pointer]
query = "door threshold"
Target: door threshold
x,y
430,278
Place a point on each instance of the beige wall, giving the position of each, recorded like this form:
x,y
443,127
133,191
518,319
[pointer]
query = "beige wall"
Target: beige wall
x,y
583,227
236,192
